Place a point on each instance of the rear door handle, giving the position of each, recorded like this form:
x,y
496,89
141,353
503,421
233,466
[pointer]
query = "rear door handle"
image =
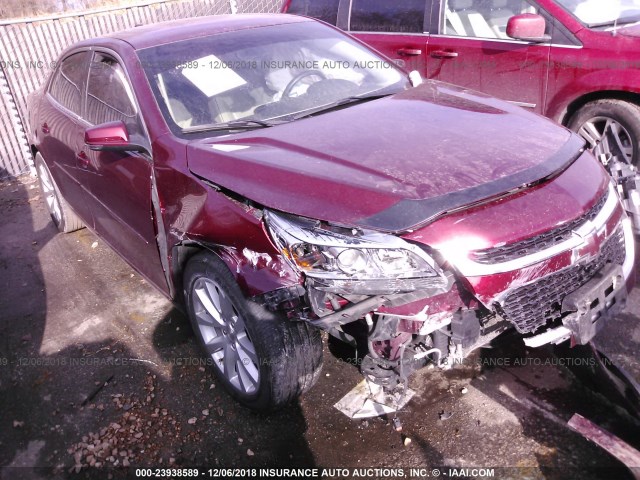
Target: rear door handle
x,y
409,51
82,159
443,54
44,127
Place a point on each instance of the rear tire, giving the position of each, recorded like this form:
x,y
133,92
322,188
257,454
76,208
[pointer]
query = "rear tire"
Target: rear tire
x,y
610,126
64,218
264,360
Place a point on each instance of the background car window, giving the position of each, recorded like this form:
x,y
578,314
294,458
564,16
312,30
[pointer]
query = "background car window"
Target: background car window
x,y
384,16
66,85
604,13
109,96
325,10
482,18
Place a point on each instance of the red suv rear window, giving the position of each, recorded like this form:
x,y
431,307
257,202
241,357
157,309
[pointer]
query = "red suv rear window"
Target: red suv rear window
x,y
384,16
325,10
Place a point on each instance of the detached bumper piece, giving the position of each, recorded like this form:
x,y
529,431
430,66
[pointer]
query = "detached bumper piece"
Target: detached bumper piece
x,y
590,306
370,400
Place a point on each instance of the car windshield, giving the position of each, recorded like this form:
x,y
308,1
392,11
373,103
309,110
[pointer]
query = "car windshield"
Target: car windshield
x,y
604,13
259,77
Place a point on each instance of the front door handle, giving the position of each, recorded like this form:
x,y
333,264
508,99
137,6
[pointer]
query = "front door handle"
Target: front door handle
x,y
409,52
444,54
82,159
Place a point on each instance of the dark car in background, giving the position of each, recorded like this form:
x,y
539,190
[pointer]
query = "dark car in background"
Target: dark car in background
x,y
574,61
278,178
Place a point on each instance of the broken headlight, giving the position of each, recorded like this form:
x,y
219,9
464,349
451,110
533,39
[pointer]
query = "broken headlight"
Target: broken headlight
x,y
345,260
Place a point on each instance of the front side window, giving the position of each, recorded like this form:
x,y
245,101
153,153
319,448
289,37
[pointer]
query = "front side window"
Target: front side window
x,y
66,86
109,95
268,74
482,18
399,16
325,10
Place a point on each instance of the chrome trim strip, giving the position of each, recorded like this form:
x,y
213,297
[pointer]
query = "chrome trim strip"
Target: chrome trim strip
x,y
523,104
507,40
470,268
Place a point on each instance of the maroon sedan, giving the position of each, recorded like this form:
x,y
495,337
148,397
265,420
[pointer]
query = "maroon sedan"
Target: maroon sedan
x,y
278,178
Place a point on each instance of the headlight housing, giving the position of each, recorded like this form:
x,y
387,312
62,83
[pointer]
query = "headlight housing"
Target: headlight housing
x,y
341,260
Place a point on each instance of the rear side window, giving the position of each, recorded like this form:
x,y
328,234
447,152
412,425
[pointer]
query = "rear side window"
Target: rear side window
x,y
66,86
109,96
325,10
399,16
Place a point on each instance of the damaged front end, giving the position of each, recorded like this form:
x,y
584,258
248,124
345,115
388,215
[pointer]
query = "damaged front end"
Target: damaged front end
x,y
404,304
374,291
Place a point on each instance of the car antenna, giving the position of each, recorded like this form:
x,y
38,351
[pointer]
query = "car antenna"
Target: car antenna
x,y
614,32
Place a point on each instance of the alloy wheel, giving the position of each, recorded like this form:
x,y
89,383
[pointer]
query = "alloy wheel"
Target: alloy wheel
x,y
225,337
606,136
50,195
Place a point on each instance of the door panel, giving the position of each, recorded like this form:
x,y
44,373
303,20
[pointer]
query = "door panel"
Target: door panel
x,y
120,182
473,51
121,203
409,52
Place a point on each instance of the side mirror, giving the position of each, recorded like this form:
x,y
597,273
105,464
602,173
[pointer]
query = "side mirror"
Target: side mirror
x,y
110,137
528,27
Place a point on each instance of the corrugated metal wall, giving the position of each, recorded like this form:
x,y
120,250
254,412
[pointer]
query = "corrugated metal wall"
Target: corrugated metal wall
x,y
29,48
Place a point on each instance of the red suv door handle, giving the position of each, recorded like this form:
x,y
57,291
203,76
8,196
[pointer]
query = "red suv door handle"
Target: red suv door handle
x,y
410,51
83,160
444,54
44,127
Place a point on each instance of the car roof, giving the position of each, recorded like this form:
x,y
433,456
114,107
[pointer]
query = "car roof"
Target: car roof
x,y
176,30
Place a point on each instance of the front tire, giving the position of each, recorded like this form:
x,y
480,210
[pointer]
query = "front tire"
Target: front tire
x,y
263,360
610,127
63,217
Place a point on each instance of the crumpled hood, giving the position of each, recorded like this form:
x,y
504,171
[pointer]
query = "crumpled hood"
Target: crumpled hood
x,y
389,164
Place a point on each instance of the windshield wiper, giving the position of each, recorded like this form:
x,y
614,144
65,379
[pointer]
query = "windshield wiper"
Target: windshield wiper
x,y
232,125
341,103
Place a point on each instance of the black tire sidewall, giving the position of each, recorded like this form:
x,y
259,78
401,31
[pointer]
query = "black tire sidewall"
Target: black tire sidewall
x,y
209,266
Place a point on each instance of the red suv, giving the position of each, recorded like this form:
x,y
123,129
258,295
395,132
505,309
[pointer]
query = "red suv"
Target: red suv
x,y
278,178
575,61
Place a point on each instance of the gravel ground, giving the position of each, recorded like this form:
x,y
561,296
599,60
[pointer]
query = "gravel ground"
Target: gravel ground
x,y
98,371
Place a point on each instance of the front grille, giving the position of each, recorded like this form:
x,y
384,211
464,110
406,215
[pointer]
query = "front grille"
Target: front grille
x,y
539,242
533,306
